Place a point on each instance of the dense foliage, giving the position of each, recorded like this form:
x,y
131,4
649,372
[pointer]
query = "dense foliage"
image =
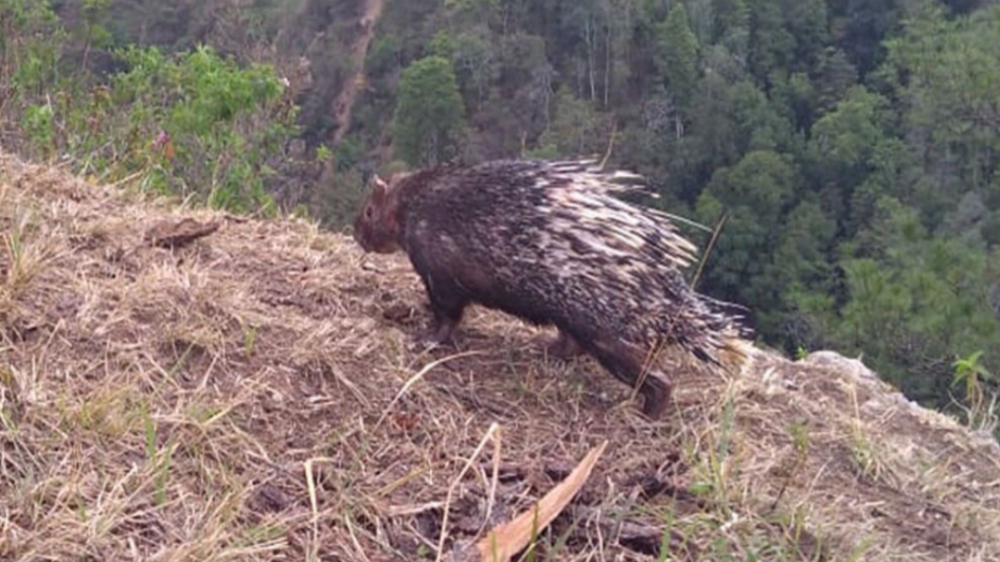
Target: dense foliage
x,y
193,124
853,148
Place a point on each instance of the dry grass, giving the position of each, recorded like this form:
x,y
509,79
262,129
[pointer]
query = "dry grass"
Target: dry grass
x,y
246,398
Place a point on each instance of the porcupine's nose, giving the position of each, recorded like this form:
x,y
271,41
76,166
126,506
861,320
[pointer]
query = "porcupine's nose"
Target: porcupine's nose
x,y
359,239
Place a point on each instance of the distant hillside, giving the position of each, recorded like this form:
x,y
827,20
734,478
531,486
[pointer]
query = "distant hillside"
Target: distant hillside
x,y
250,396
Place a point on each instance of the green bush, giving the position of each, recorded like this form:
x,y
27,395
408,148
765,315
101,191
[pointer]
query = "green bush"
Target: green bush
x,y
194,124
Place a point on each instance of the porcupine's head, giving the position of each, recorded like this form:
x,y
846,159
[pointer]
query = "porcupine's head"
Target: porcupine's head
x,y
377,227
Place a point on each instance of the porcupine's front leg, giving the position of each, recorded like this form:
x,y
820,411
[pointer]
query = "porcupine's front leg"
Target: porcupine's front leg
x,y
447,305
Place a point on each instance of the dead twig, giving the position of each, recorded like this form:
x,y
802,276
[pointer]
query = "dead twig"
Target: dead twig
x,y
173,234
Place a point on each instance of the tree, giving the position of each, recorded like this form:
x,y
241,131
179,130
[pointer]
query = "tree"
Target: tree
x,y
801,276
864,24
944,73
755,193
429,113
679,48
843,145
575,128
835,77
771,45
731,24
919,304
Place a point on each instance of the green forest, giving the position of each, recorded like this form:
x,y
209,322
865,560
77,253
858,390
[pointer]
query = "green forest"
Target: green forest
x,y
850,150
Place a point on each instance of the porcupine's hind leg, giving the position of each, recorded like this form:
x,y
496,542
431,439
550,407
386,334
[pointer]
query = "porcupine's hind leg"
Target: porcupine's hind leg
x,y
625,362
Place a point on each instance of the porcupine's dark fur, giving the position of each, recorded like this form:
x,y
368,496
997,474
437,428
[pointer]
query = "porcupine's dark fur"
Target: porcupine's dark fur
x,y
550,243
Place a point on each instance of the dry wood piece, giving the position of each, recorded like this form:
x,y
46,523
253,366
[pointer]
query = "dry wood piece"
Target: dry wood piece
x,y
172,234
503,542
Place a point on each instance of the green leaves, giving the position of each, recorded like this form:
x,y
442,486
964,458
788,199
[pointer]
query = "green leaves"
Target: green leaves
x,y
190,124
211,124
429,114
38,123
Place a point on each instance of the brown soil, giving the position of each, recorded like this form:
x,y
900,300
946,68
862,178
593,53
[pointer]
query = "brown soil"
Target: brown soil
x,y
250,396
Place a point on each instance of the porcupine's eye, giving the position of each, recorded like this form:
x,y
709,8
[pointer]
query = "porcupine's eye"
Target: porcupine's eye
x,y
368,212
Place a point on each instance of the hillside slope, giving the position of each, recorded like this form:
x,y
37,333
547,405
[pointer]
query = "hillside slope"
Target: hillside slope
x,y
246,397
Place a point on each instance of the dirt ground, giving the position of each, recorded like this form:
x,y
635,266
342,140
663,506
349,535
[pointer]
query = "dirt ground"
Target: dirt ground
x,y
251,396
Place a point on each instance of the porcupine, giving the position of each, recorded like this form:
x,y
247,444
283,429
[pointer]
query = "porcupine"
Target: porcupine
x,y
548,242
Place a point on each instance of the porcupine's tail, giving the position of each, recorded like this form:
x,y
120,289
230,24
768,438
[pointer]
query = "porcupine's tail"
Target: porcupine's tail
x,y
721,337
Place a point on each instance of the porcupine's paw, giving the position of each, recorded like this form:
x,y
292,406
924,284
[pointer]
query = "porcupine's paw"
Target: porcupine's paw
x,y
656,391
434,336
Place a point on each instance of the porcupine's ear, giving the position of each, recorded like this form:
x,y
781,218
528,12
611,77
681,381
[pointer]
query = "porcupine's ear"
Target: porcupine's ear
x,y
380,184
